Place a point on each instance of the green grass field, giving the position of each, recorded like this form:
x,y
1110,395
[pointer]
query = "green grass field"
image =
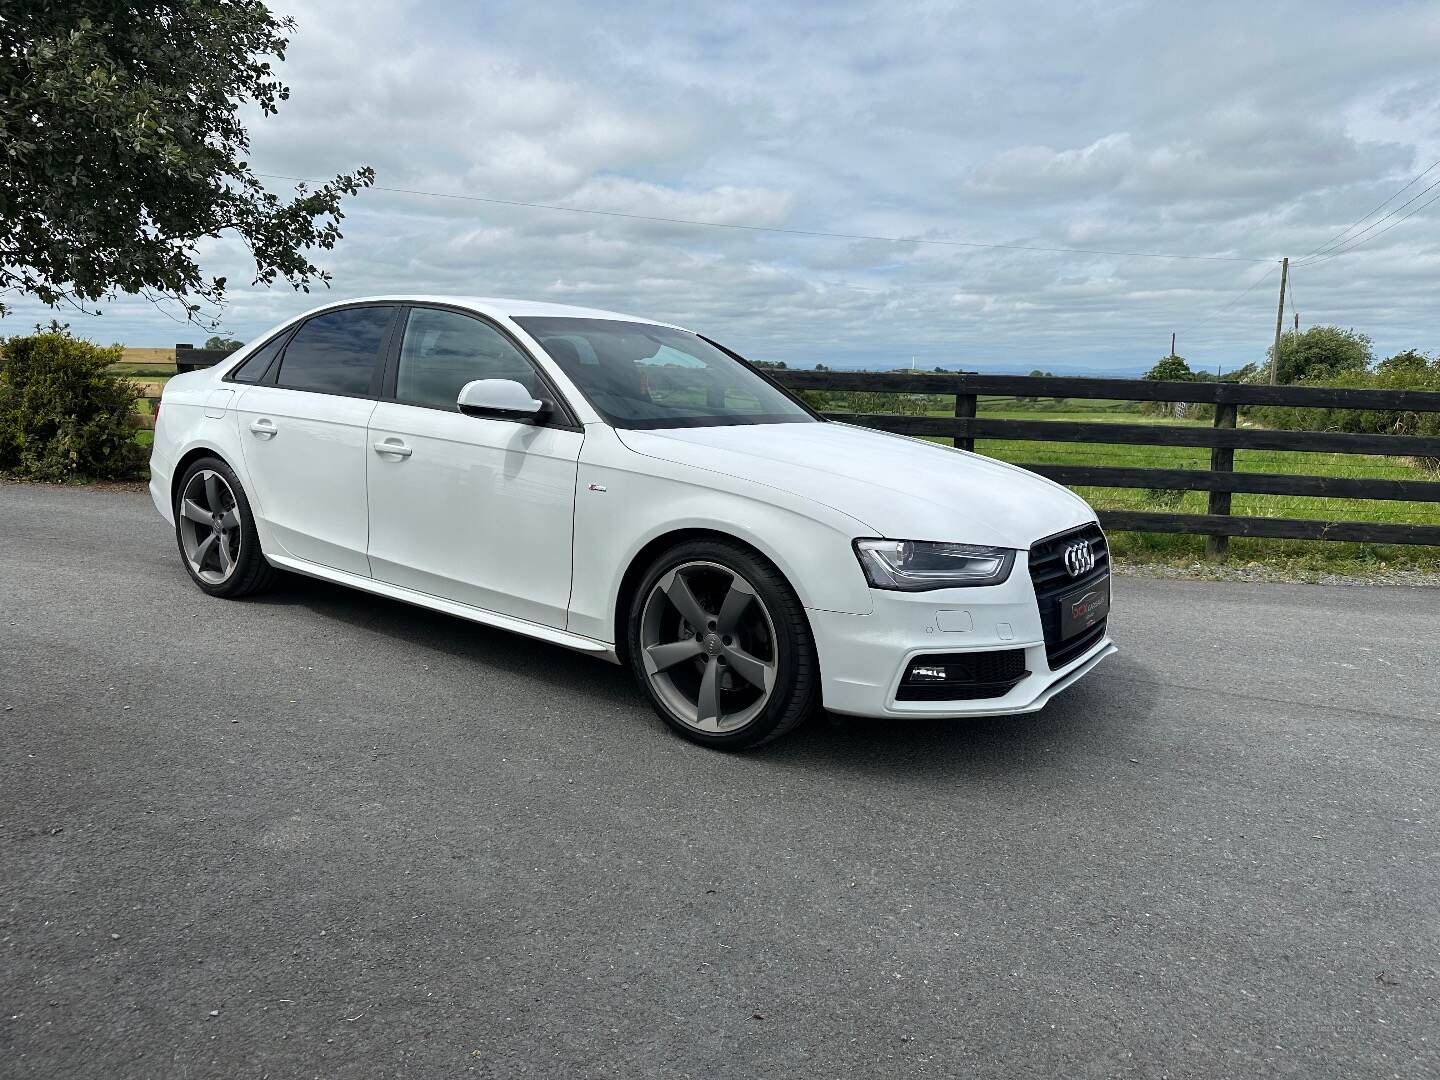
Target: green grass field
x,y
1158,547
144,372
1319,555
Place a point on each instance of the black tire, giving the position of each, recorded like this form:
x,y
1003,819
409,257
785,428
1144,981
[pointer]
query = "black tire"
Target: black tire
x,y
795,693
251,573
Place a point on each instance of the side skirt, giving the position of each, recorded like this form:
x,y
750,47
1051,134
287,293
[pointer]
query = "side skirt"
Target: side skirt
x,y
449,607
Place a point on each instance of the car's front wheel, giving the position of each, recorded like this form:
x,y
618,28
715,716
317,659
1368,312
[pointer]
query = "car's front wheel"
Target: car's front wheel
x,y
720,645
216,532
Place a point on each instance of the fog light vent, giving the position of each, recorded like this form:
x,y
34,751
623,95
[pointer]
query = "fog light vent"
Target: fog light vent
x,y
963,676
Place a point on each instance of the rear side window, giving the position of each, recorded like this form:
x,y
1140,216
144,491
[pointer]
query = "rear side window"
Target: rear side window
x,y
252,370
336,353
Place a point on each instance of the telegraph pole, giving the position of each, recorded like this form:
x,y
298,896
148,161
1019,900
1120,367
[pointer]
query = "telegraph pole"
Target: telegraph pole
x,y
1279,319
1172,342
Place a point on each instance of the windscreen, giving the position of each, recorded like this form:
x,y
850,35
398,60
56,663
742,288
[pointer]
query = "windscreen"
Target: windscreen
x,y
637,375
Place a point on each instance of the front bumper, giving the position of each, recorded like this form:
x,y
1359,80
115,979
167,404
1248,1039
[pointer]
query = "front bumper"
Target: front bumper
x,y
864,657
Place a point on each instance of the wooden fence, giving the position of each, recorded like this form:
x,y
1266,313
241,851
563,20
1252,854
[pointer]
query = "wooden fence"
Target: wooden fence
x,y
1223,438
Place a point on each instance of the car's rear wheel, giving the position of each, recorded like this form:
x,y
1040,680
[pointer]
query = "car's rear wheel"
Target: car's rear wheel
x,y
216,532
720,645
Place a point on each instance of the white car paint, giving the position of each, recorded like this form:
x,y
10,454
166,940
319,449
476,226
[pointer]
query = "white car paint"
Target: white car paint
x,y
436,514
305,456
533,529
899,487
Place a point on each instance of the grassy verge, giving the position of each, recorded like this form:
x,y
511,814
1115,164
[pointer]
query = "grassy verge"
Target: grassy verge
x,y
1302,558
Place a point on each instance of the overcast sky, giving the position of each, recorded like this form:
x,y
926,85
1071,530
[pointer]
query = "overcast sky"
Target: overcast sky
x,y
1248,131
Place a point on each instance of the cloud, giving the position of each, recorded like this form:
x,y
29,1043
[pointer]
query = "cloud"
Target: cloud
x,y
1240,156
1217,129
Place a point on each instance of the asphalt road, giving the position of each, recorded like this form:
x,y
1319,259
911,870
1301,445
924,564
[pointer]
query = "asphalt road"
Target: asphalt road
x,y
326,835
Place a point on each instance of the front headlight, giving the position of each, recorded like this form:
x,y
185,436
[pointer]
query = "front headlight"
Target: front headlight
x,y
919,565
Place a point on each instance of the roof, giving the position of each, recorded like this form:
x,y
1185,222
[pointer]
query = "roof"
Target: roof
x,y
515,309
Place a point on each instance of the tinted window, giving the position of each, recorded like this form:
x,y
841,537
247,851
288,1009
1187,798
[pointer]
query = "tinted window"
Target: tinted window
x,y
443,350
253,369
638,375
335,353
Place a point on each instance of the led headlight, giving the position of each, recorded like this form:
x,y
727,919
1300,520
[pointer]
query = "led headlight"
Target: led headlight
x,y
919,565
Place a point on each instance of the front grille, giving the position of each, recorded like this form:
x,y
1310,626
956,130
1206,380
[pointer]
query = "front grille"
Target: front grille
x,y
1075,647
1052,580
967,676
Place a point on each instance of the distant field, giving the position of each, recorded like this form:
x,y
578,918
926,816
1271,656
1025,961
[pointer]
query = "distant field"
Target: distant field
x,y
144,372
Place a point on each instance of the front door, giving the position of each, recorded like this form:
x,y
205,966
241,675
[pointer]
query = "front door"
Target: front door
x,y
304,437
475,510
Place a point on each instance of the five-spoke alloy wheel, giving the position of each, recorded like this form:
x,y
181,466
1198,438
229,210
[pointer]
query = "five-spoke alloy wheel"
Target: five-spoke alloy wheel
x,y
216,531
721,646
209,527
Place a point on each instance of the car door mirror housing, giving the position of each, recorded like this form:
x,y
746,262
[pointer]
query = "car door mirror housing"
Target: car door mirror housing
x,y
500,399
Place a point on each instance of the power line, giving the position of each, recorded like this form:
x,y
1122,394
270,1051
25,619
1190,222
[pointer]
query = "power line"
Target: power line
x,y
784,231
1241,296
1331,249
1342,232
1349,247
1414,180
1360,236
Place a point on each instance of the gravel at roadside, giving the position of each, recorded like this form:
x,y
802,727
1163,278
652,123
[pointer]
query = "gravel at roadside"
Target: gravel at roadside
x,y
1262,572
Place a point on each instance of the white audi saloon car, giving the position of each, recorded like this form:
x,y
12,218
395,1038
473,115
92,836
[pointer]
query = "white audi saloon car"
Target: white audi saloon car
x,y
635,491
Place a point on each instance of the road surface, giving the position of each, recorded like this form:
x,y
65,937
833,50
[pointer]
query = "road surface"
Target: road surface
x,y
321,834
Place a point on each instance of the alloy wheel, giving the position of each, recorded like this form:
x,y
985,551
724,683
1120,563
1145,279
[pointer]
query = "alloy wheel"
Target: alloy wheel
x,y
708,645
210,527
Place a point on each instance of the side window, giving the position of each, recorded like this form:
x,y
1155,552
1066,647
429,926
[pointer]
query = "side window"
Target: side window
x,y
336,353
252,370
444,350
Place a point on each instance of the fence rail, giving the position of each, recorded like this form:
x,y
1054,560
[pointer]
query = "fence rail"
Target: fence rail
x,y
1222,438
968,429
969,384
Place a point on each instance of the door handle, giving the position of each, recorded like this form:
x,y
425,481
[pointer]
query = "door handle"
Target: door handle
x,y
394,447
263,428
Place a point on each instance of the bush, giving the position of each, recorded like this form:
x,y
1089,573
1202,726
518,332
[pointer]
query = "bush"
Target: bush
x,y
63,416
1366,421
1318,353
1374,421
1170,368
869,401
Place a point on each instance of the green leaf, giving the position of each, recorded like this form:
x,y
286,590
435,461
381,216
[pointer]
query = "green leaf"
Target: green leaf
x,y
124,146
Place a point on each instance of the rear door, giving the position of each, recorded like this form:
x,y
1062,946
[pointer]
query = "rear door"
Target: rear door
x,y
476,510
303,428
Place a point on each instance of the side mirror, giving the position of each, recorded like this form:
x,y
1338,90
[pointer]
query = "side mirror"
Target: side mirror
x,y
500,399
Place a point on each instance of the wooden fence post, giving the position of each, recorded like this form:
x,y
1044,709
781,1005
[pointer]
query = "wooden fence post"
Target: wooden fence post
x,y
963,429
965,409
1222,459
